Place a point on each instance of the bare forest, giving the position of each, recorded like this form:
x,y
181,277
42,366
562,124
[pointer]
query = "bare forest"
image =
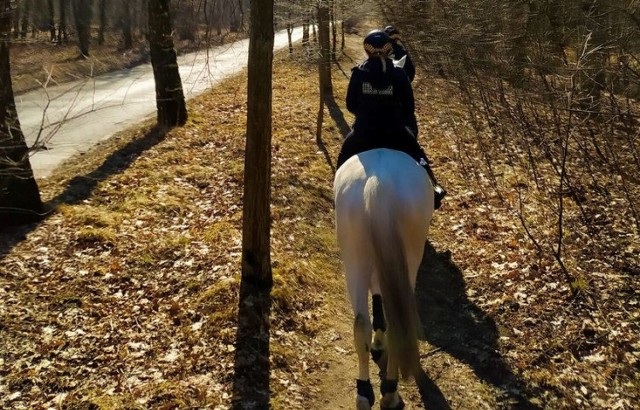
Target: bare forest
x,y
167,218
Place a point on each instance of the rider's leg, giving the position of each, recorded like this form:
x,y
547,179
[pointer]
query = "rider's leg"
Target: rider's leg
x,y
418,153
347,150
440,192
354,143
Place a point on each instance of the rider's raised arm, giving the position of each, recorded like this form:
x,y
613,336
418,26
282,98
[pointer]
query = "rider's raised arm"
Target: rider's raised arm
x,y
409,68
400,51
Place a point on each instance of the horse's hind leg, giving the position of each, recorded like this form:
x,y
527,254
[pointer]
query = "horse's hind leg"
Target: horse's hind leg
x,y
388,370
362,338
391,400
379,327
378,347
358,286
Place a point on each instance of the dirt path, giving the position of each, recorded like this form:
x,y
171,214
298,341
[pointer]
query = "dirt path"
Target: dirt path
x,y
459,354
336,383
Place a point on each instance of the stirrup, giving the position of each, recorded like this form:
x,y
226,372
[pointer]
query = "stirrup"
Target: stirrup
x,y
439,193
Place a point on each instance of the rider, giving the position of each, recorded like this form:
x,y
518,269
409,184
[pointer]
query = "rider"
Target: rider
x,y
399,51
381,98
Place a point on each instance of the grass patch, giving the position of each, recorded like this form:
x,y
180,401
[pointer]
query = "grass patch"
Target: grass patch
x,y
166,248
97,236
90,215
221,232
218,297
99,401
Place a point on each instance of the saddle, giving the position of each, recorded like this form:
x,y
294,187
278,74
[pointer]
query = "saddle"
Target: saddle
x,y
399,139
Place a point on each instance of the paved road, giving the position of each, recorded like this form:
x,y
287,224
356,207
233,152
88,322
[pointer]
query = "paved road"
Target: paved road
x,y
71,118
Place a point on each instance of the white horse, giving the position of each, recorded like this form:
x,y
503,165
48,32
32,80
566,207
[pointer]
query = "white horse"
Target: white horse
x,y
384,205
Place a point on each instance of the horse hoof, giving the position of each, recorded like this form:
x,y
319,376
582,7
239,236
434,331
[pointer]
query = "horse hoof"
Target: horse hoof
x,y
391,400
362,403
365,394
398,406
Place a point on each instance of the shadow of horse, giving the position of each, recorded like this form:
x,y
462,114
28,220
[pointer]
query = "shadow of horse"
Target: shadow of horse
x,y
81,187
454,324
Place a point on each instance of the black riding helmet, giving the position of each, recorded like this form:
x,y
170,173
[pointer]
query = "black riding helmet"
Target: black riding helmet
x,y
377,44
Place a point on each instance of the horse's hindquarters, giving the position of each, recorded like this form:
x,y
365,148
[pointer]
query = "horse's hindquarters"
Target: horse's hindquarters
x,y
382,183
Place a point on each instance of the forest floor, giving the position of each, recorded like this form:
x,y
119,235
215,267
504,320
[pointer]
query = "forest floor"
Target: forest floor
x,y
127,296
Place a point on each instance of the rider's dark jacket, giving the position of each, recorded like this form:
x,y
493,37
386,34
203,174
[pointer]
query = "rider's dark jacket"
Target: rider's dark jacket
x,y
381,98
398,52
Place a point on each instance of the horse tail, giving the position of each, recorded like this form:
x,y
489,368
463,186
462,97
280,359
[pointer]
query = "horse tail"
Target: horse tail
x,y
390,258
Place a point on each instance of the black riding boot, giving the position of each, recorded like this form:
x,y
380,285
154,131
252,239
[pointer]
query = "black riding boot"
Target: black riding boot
x,y
439,191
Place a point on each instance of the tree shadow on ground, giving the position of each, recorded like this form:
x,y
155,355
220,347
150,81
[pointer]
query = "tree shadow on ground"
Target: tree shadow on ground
x,y
345,54
337,63
81,187
251,370
454,324
337,115
321,145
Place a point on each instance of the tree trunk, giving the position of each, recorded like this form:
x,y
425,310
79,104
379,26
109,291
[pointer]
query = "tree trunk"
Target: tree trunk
x,y
324,64
334,30
185,21
143,19
235,16
240,15
103,21
52,19
216,12
305,33
19,195
289,33
26,14
342,40
134,16
82,11
256,260
315,34
125,22
62,25
170,102
16,20
600,60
